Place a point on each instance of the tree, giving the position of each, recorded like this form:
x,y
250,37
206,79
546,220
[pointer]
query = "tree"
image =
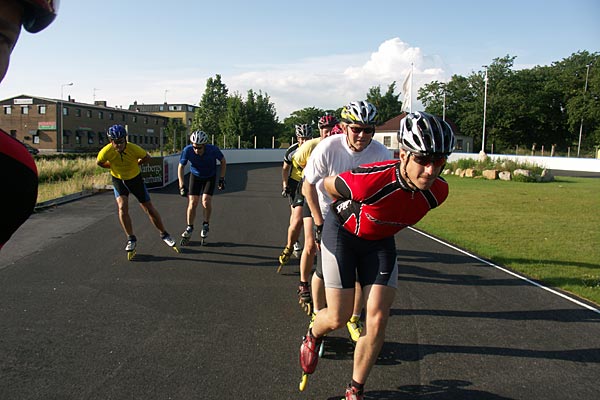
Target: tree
x,y
388,105
212,107
175,133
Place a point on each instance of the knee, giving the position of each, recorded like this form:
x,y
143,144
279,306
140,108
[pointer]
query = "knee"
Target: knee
x,y
376,324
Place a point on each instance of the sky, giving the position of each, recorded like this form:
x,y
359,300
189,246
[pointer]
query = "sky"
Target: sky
x,y
301,54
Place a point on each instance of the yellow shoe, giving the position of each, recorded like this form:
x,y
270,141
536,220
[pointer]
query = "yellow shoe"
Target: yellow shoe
x,y
355,328
285,256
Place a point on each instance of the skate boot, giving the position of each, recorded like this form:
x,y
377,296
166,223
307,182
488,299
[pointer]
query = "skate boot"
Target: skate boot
x,y
304,297
309,357
130,247
353,393
297,249
284,257
169,241
204,232
310,325
186,235
355,328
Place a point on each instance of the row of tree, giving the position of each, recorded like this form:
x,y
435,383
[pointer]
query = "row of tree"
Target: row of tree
x,y
542,106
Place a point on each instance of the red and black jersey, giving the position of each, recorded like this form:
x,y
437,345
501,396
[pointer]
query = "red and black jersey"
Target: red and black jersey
x,y
377,203
19,176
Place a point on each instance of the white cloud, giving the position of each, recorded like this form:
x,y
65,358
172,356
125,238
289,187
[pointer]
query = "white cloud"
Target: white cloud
x,y
330,82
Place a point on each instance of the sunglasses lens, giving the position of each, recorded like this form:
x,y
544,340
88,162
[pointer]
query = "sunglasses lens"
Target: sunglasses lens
x,y
357,130
437,161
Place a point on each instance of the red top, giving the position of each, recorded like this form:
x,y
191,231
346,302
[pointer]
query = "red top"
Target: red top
x,y
377,203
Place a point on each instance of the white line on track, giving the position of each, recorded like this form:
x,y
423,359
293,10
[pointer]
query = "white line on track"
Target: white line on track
x,y
564,296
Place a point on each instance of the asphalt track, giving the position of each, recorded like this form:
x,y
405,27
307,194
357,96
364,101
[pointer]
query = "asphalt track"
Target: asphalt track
x,y
79,321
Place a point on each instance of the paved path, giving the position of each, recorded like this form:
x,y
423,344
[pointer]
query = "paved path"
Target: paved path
x,y
79,321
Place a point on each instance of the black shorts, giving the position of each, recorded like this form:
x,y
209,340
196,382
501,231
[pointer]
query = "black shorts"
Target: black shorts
x,y
135,186
298,200
292,185
348,258
202,185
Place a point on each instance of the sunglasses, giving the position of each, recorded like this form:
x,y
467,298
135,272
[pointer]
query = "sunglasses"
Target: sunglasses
x,y
436,160
120,141
358,129
199,147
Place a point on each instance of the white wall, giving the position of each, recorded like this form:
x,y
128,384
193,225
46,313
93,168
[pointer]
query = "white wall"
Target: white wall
x,y
558,163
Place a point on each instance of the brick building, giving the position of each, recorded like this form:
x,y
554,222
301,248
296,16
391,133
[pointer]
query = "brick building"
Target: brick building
x,y
37,120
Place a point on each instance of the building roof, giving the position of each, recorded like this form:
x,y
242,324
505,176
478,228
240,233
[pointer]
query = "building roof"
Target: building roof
x,y
391,125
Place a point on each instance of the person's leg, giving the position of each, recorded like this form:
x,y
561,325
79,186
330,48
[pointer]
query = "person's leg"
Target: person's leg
x,y
191,209
378,300
154,216
338,311
294,227
124,218
310,250
207,207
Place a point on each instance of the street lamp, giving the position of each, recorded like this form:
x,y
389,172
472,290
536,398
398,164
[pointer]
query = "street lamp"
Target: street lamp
x,y
482,152
61,132
166,90
587,73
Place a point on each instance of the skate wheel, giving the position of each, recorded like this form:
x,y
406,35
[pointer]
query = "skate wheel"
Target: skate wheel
x,y
279,268
203,242
184,242
130,255
303,382
176,249
322,349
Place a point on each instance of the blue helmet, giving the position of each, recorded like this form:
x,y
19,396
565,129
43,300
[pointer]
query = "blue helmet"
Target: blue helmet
x,y
116,132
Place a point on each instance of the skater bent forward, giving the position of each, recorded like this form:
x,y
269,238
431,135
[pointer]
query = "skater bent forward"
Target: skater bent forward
x,y
124,159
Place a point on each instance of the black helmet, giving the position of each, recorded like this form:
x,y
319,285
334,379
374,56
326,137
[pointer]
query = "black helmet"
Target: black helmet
x,y
39,14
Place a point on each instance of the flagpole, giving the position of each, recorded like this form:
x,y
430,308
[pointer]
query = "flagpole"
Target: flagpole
x,y
412,73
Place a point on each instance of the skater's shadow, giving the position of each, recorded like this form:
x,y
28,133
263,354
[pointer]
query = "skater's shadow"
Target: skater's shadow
x,y
447,389
140,257
338,348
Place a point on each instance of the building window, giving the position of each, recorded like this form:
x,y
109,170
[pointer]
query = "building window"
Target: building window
x,y
459,144
161,108
65,111
134,118
123,117
77,138
100,115
78,112
88,113
387,141
66,135
90,137
24,109
100,137
7,110
13,133
42,109
111,116
146,120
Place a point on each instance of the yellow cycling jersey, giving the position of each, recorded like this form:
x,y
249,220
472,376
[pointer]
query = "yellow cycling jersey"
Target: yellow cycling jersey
x,y
123,165
300,157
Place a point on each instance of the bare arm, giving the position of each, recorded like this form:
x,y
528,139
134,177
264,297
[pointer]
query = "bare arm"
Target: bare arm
x,y
285,173
180,175
223,167
310,195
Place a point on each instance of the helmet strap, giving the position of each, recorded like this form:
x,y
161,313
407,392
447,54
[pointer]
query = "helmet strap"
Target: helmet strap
x,y
404,174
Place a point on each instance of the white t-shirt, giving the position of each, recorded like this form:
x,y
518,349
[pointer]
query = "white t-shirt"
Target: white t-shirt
x,y
333,156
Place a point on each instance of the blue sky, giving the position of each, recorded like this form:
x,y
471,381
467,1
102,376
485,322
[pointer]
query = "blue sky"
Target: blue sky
x,y
301,53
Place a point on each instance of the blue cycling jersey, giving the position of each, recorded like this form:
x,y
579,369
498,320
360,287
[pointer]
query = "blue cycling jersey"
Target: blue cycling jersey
x,y
202,166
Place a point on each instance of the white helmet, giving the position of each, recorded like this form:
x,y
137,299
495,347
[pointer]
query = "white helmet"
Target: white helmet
x,y
424,133
359,112
199,137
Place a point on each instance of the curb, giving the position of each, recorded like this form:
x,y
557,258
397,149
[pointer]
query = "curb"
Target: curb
x,y
71,197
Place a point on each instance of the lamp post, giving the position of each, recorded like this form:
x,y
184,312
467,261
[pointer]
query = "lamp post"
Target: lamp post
x,y
587,73
62,113
482,152
166,90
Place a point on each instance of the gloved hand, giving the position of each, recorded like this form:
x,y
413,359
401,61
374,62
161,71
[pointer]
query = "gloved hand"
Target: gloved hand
x,y
183,191
285,192
221,185
318,233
